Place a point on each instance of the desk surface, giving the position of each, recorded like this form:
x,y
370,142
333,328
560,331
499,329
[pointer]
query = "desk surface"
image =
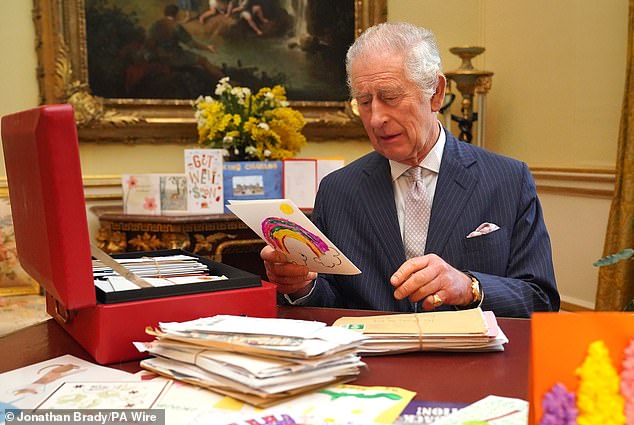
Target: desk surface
x,y
460,377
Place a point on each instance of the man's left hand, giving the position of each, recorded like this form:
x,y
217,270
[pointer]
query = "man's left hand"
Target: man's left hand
x,y
431,279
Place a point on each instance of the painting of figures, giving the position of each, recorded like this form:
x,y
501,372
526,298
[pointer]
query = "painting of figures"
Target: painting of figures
x,y
179,49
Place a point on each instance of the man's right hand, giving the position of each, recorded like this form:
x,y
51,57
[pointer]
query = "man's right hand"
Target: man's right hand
x,y
290,278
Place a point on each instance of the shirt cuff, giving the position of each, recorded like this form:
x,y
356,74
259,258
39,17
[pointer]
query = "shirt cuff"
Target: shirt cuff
x,y
302,300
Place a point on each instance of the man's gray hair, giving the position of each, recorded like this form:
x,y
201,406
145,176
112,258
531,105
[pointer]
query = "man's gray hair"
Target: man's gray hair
x,y
422,60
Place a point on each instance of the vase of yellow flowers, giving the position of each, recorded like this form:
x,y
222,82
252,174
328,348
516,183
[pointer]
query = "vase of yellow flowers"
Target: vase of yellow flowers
x,y
247,126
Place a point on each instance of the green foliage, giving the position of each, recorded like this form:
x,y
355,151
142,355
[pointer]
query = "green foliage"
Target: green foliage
x,y
614,258
608,260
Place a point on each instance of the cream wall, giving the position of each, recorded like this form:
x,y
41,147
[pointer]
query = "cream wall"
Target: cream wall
x,y
18,83
555,103
559,72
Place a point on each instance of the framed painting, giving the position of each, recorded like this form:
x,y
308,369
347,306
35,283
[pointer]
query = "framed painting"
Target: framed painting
x,y
131,68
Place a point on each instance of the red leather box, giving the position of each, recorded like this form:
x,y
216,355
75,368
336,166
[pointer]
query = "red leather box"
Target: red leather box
x,y
51,230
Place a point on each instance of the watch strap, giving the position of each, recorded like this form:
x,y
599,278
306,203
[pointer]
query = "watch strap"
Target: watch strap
x,y
476,290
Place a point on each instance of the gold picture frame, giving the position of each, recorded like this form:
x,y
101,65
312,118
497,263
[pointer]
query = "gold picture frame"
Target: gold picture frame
x,y
63,78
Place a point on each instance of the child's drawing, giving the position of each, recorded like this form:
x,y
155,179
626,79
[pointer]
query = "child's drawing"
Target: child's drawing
x,y
283,226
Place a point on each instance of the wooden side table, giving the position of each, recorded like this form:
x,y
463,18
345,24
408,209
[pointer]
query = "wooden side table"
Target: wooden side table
x,y
222,237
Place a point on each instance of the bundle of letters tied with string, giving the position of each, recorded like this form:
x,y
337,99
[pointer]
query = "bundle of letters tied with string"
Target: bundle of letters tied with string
x,y
260,361
462,330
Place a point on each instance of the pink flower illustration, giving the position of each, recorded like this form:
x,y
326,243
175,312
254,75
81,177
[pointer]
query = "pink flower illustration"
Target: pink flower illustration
x,y
132,182
150,203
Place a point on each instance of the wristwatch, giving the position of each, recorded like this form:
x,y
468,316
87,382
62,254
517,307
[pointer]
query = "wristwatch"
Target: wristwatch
x,y
476,289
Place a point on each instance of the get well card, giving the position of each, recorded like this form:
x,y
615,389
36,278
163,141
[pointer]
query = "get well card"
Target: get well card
x,y
285,227
203,169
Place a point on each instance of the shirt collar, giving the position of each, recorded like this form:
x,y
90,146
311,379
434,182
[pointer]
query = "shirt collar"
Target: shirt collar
x,y
430,162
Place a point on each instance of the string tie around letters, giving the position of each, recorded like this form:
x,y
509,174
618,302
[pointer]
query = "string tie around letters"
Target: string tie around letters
x,y
420,332
416,214
156,265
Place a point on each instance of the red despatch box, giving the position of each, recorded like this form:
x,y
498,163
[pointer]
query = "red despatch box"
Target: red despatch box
x,y
51,230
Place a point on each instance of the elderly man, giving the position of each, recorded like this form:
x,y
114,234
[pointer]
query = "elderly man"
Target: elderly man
x,y
433,223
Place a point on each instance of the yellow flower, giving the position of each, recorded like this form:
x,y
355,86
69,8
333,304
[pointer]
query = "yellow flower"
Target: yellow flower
x,y
249,127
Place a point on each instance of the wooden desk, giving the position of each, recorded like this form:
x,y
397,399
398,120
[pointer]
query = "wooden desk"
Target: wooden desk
x,y
222,237
460,377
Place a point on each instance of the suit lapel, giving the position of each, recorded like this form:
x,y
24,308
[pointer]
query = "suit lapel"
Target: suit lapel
x,y
455,185
377,194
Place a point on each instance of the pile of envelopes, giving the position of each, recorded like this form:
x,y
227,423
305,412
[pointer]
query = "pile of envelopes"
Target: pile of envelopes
x,y
259,361
462,330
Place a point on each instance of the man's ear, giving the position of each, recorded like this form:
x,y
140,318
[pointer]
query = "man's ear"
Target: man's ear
x,y
438,99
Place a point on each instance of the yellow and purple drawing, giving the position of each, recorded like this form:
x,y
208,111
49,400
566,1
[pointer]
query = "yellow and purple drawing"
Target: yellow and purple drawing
x,y
285,228
298,243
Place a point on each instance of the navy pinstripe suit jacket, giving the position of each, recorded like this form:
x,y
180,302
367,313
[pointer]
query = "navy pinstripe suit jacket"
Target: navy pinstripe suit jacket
x,y
355,208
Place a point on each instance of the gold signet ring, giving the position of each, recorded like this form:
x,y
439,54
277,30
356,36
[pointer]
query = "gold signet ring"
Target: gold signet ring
x,y
437,300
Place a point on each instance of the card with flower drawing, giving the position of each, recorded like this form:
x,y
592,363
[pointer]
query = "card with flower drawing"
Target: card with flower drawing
x,y
141,194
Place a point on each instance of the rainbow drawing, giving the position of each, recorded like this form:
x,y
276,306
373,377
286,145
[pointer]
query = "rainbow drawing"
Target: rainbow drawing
x,y
276,230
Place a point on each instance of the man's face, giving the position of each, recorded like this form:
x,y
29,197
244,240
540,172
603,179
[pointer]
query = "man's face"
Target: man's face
x,y
400,122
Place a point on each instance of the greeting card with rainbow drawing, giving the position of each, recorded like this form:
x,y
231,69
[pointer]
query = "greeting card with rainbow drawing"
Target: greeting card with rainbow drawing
x,y
285,227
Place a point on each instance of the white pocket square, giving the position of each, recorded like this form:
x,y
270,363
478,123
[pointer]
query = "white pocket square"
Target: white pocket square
x,y
483,229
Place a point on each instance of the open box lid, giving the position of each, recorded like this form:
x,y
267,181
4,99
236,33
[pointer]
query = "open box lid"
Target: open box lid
x,y
47,201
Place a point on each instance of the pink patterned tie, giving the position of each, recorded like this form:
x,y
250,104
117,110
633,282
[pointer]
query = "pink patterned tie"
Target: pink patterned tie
x,y
417,213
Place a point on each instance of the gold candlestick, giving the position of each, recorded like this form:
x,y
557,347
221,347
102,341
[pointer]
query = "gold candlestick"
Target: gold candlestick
x,y
470,81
